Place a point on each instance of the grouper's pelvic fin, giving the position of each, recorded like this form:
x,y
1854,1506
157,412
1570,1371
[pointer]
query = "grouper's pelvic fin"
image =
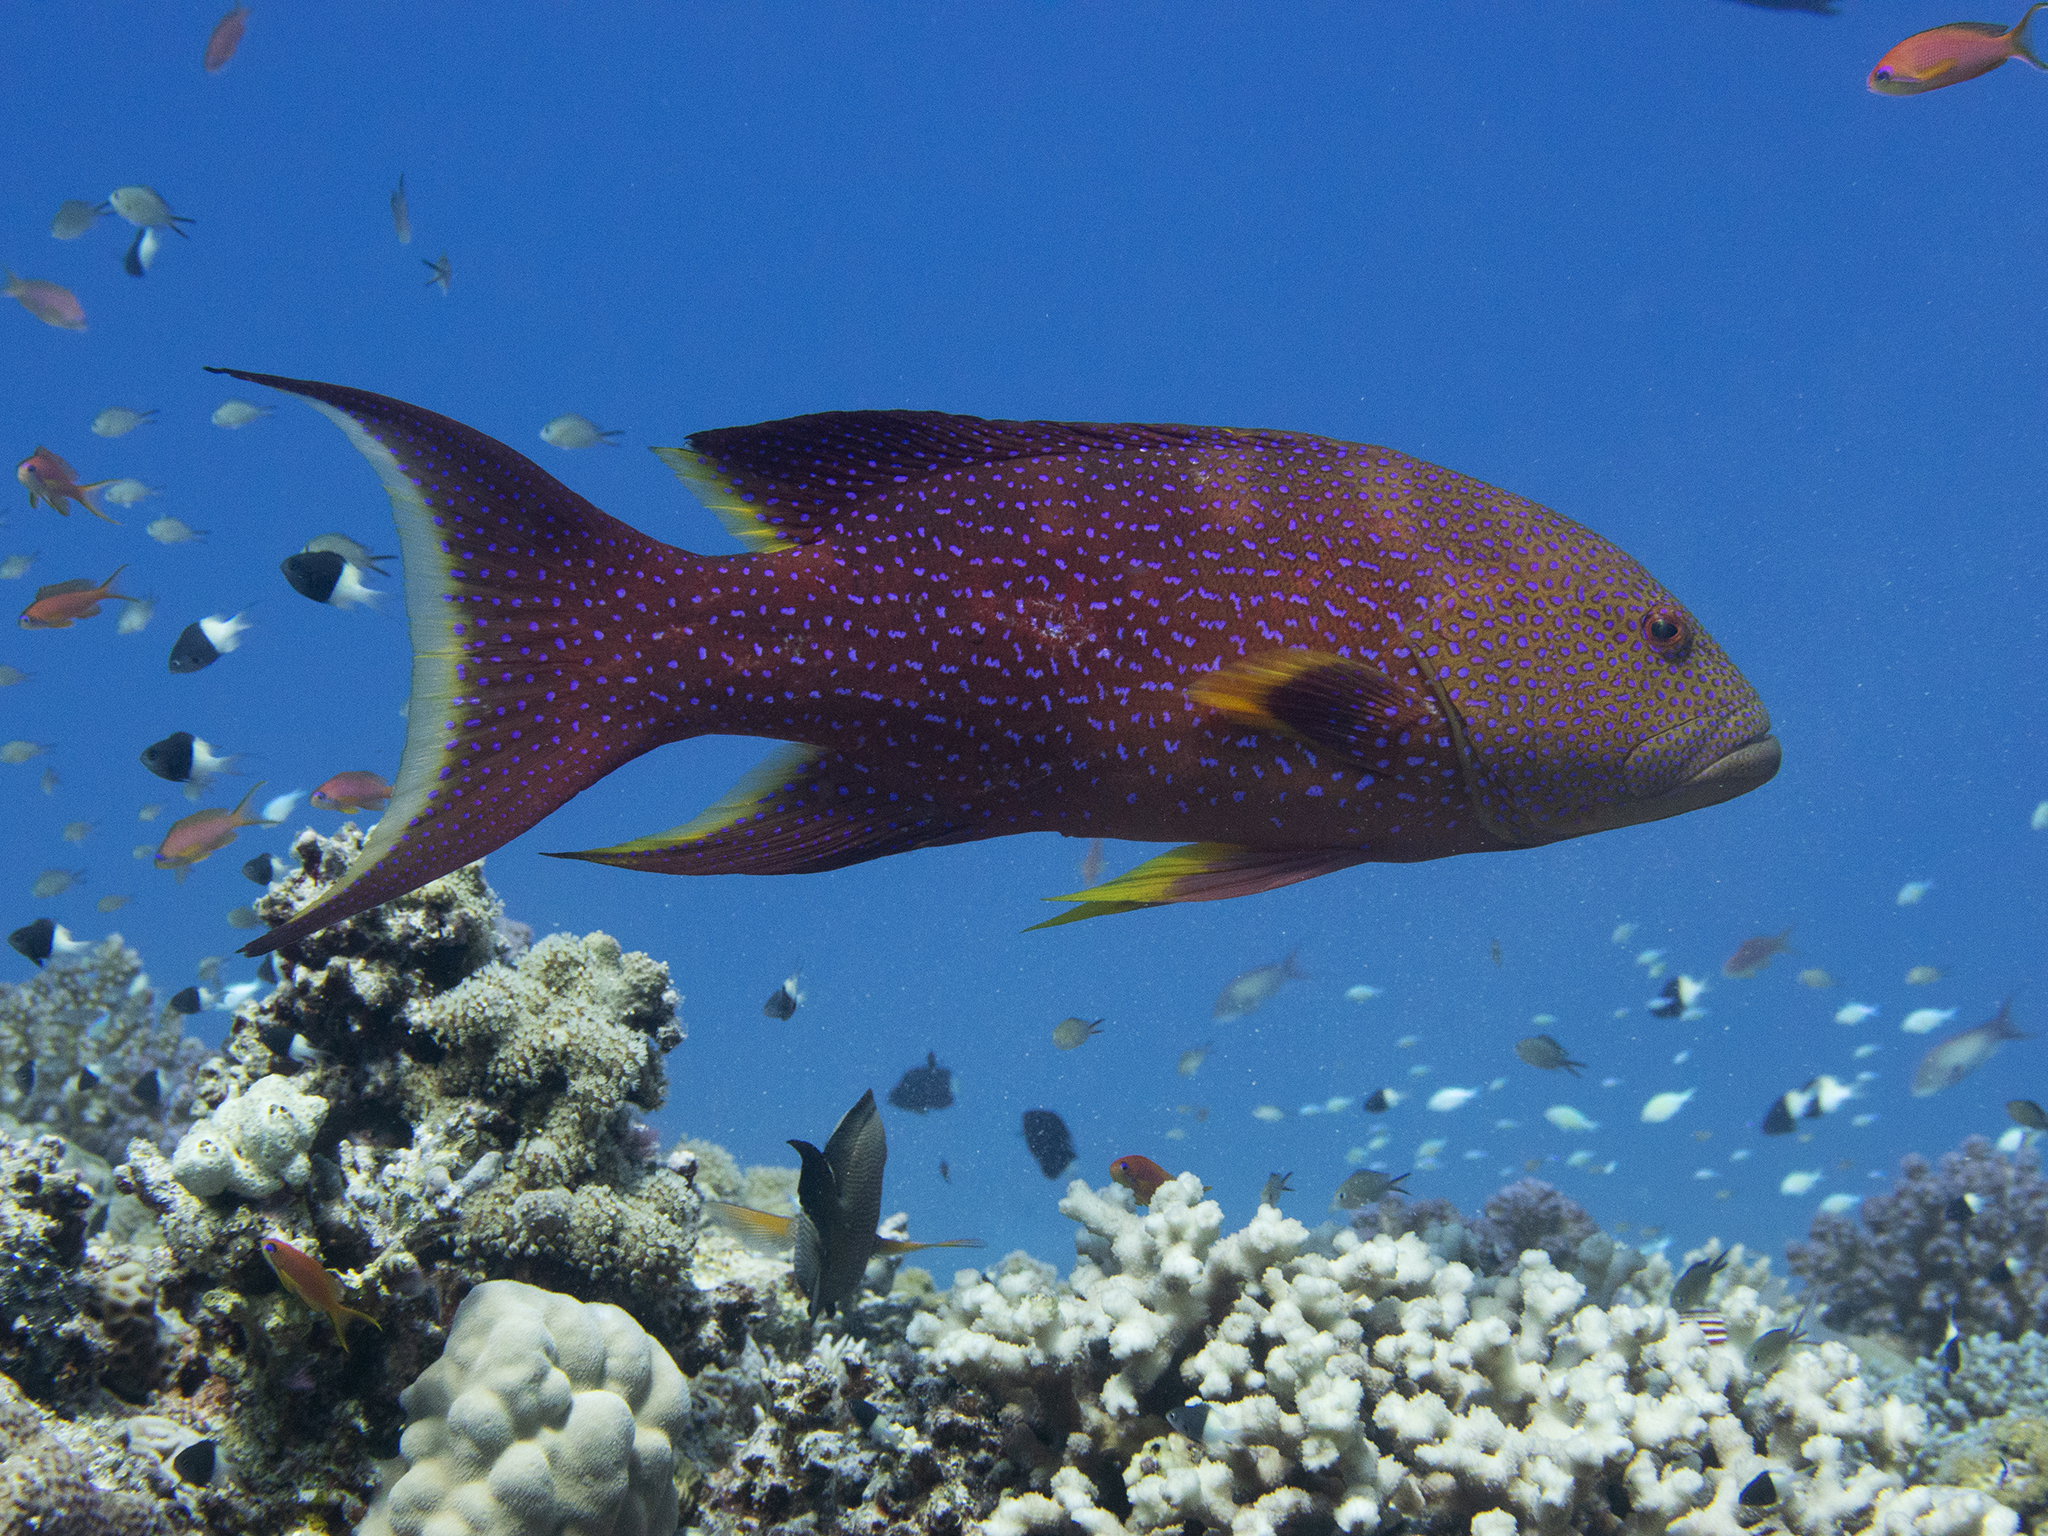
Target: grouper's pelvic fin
x,y
515,703
1201,872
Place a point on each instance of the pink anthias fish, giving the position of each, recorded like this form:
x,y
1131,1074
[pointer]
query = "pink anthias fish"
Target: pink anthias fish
x,y
206,832
1752,955
356,790
48,302
1949,55
225,38
50,479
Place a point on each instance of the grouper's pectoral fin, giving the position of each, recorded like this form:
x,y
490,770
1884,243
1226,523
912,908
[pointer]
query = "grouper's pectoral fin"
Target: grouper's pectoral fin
x,y
1202,872
803,811
1331,703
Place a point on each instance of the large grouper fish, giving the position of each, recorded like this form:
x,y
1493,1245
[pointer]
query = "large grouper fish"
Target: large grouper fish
x,y
1300,654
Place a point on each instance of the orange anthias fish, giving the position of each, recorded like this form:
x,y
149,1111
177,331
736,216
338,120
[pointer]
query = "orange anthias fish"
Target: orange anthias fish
x,y
206,832
356,790
1140,1175
1298,653
1752,955
306,1278
1948,55
63,603
50,479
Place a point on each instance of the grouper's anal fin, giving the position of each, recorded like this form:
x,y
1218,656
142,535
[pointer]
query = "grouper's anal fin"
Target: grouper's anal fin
x,y
802,812
524,604
1202,872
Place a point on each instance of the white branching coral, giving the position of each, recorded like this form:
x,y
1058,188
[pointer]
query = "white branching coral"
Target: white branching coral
x,y
1352,1381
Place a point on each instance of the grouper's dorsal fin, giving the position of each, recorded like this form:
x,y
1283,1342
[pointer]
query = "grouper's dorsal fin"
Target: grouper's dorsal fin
x,y
781,484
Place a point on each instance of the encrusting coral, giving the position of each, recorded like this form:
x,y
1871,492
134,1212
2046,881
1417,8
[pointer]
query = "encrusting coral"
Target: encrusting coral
x,y
1905,1261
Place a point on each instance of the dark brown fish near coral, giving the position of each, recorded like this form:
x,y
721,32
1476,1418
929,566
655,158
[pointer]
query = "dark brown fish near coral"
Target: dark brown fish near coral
x,y
839,1200
1298,653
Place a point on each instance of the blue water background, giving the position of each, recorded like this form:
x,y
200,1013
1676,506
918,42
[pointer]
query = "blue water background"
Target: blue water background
x,y
1664,265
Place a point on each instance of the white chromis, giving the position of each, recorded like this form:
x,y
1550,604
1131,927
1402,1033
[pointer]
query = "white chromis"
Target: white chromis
x,y
1663,1106
119,421
573,431
235,414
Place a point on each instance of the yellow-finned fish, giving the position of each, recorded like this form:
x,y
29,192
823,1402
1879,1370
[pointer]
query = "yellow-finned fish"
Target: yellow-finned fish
x,y
306,1278
1291,653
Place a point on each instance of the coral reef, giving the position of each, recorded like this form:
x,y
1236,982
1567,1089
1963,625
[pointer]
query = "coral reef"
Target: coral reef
x,y
1526,1214
94,1012
448,1119
541,1413
1908,1259
1375,1381
252,1143
52,1481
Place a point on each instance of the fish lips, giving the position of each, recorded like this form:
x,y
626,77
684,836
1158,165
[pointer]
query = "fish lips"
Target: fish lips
x,y
1740,754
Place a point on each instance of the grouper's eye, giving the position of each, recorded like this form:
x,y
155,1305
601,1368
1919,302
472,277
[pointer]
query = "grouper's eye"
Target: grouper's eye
x,y
1667,633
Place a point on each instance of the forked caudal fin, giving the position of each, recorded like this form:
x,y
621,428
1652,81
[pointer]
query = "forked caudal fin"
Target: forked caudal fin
x,y
525,603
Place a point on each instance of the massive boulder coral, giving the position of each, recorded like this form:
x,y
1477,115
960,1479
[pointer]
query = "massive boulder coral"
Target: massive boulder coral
x,y
1356,1382
542,1414
1904,1261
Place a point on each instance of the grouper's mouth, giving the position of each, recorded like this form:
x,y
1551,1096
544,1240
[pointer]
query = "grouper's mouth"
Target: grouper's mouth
x,y
1660,787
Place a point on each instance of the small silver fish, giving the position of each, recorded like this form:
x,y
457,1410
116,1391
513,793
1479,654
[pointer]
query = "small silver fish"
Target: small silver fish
x,y
1191,1060
234,414
1364,1187
119,421
1276,1185
573,431
125,493
1245,993
170,530
14,567
55,882
443,273
74,217
357,555
401,221
1071,1034
145,208
1960,1054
